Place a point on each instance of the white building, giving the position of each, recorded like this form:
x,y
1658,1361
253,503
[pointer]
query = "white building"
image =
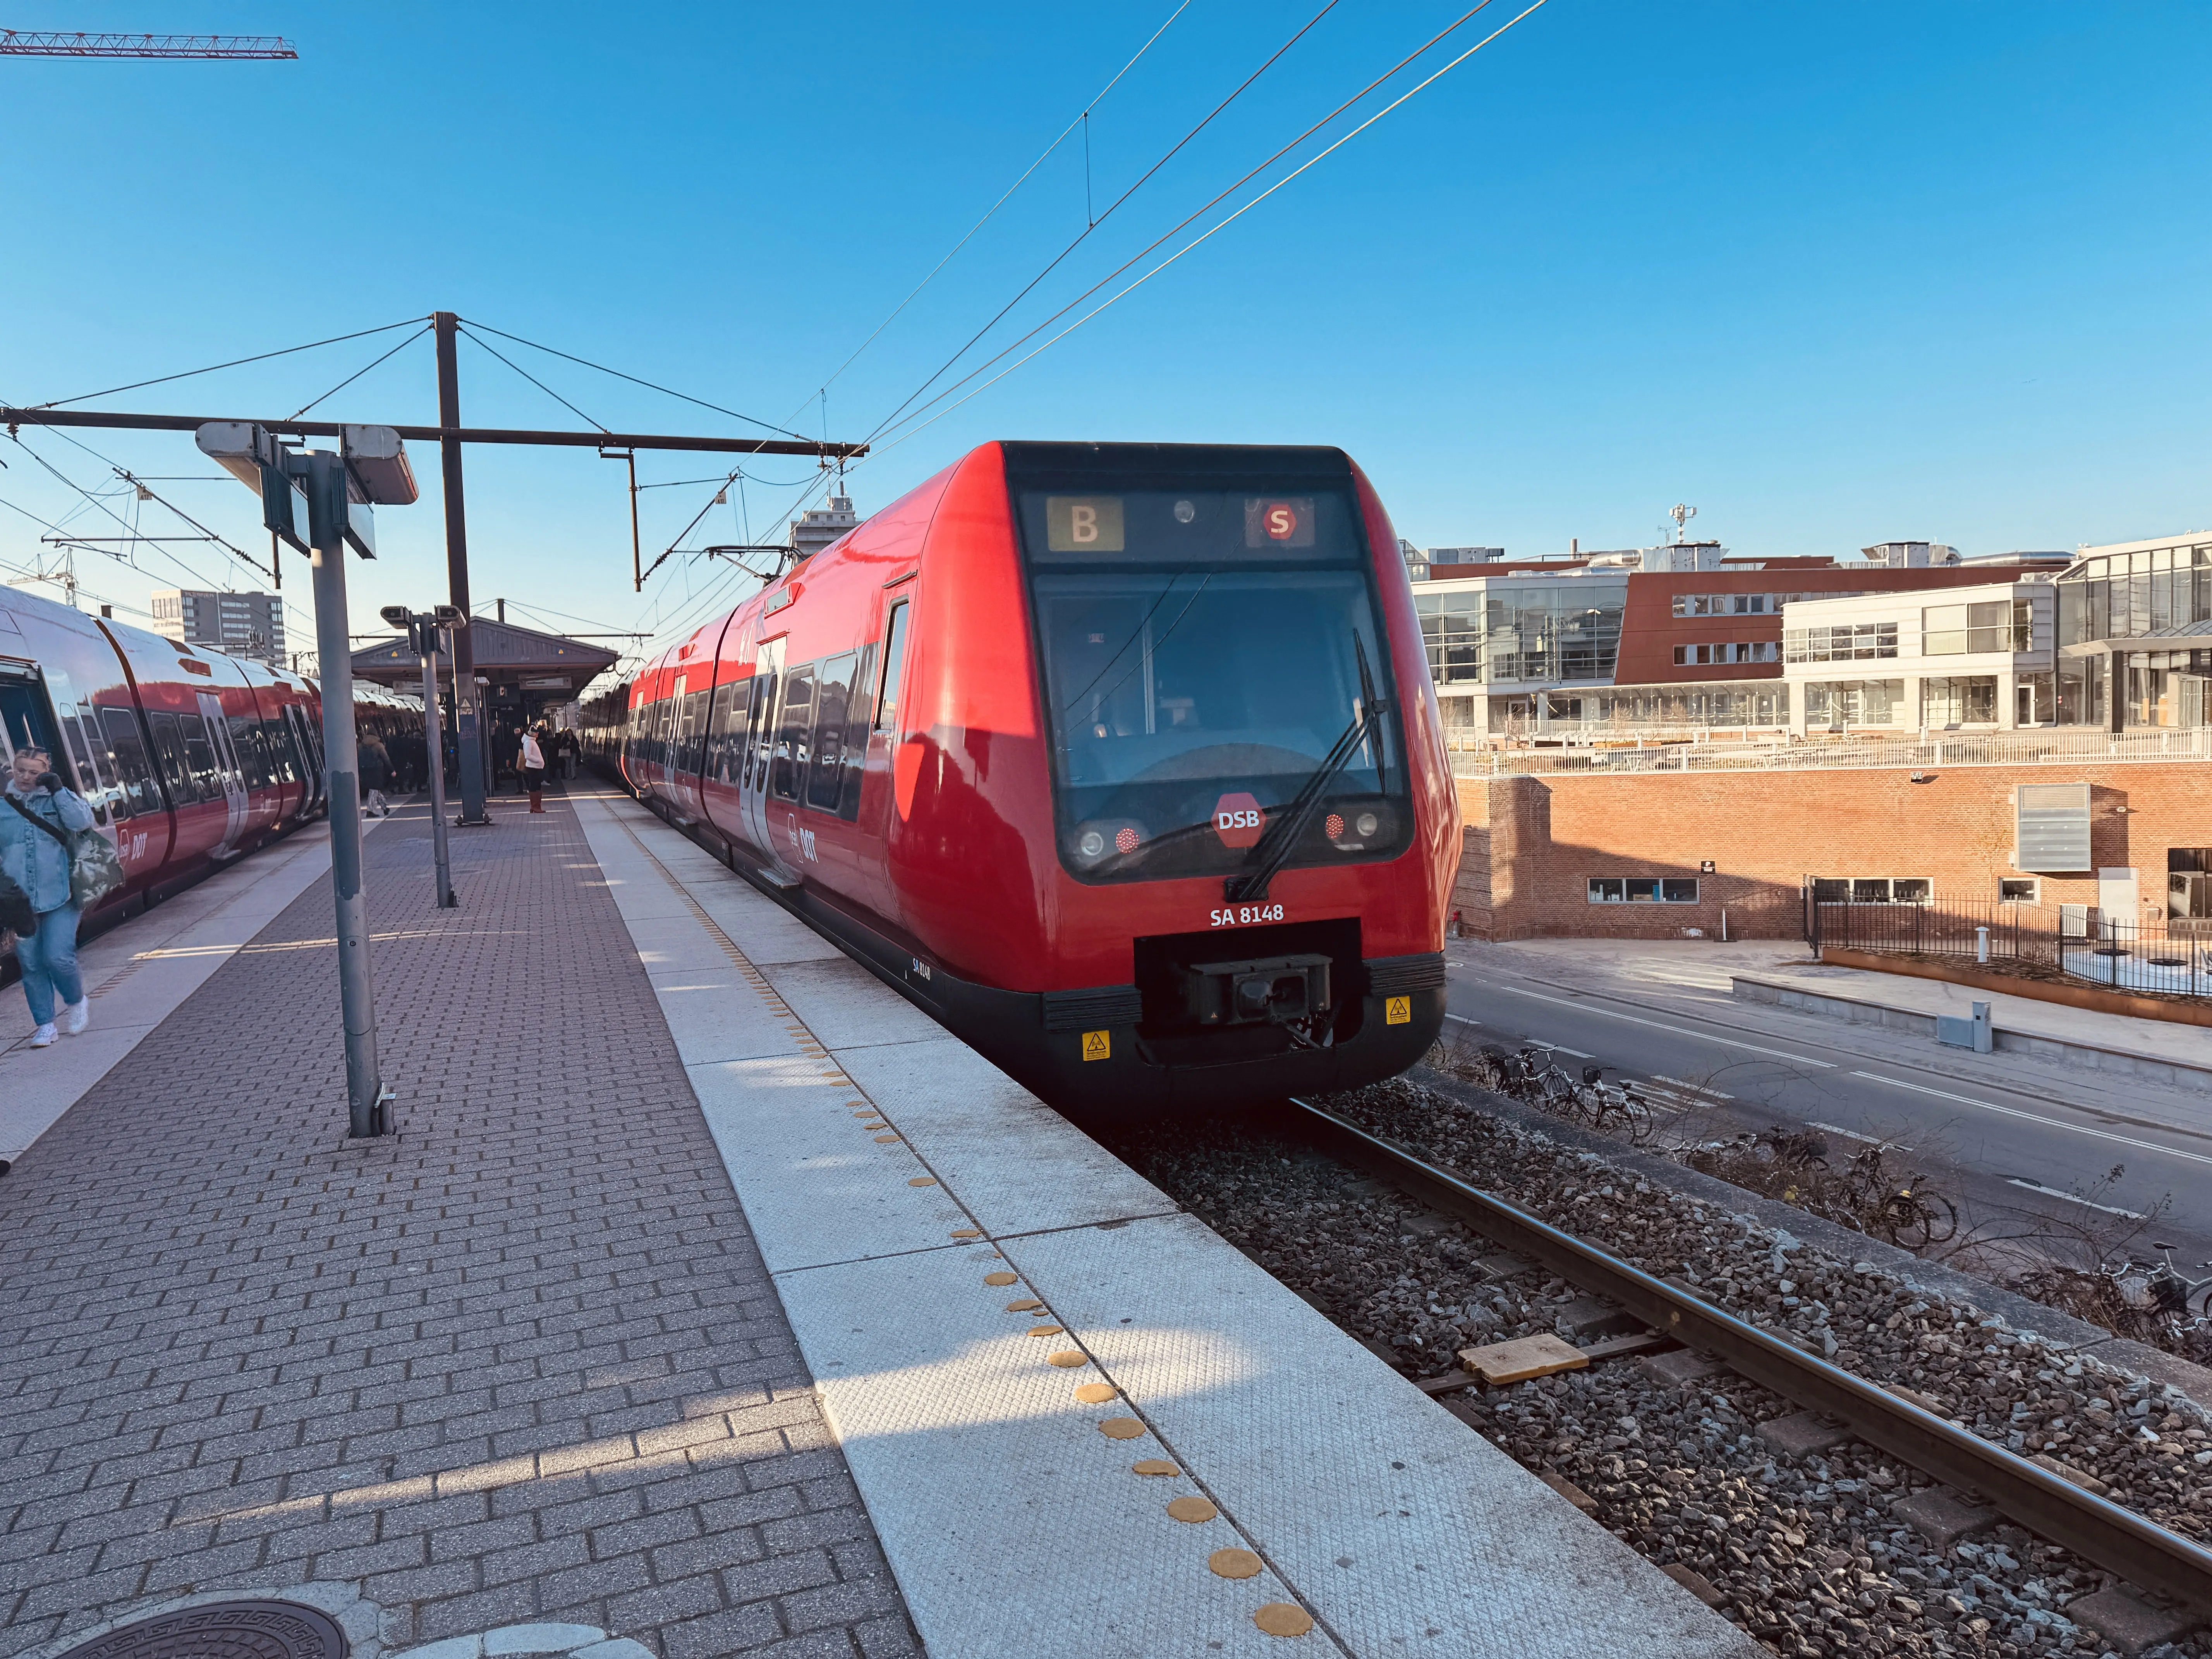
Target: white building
x,y
818,527
1971,659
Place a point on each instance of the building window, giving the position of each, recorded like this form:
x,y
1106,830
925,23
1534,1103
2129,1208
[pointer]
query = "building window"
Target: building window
x,y
1959,700
2019,889
1873,890
1734,652
1643,889
2188,883
1836,704
1843,643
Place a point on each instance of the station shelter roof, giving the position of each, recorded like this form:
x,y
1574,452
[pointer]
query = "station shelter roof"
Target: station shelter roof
x,y
544,666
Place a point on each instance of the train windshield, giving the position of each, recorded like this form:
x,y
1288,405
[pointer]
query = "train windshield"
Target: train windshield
x,y
1202,660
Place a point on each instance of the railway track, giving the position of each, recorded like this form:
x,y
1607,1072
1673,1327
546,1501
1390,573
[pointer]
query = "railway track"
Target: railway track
x,y
2117,1538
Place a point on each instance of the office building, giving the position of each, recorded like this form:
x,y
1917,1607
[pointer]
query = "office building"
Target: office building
x,y
241,624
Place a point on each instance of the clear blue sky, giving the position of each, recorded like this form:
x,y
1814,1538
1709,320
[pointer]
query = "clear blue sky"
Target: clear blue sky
x,y
1834,275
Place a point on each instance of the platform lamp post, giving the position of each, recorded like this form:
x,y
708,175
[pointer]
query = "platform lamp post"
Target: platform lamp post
x,y
319,503
425,630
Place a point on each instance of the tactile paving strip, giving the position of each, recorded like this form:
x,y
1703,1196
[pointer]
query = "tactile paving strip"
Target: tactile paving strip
x,y
1353,1513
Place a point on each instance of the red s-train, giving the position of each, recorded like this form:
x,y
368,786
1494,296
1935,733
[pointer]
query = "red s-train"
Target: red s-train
x,y
1121,760
189,758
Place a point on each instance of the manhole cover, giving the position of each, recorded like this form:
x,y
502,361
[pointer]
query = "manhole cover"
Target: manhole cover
x,y
223,1630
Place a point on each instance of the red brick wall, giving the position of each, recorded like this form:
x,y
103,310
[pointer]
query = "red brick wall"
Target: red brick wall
x,y
1539,840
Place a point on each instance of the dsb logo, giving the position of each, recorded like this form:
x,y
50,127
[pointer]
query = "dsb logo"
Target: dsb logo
x,y
1238,819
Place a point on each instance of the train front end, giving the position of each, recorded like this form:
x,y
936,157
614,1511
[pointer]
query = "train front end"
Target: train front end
x,y
1250,832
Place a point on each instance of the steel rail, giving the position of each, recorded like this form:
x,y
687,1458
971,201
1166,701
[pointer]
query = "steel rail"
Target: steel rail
x,y
2115,1538
11,418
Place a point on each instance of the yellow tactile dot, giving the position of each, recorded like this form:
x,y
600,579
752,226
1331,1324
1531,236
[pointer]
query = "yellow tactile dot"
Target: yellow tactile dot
x,y
1097,1393
1154,1466
1046,1330
1192,1508
1122,1428
999,1279
1027,1306
967,1232
1283,1619
1067,1358
923,1180
1234,1563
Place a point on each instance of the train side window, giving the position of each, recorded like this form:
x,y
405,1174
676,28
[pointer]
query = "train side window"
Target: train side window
x,y
132,766
199,757
245,732
695,732
89,783
758,728
894,670
726,746
169,749
825,780
790,740
859,716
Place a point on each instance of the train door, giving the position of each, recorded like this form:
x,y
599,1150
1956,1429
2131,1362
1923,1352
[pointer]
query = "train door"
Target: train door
x,y
23,718
228,776
303,749
759,745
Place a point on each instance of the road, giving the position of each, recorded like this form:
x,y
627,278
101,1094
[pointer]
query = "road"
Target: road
x,y
2039,1140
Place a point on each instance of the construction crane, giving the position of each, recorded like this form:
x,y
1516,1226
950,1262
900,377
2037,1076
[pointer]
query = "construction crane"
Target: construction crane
x,y
17,43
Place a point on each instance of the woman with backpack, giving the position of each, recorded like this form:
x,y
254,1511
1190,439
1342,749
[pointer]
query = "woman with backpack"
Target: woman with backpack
x,y
40,819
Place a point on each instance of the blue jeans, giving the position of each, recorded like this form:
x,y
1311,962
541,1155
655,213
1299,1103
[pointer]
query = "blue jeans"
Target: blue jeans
x,y
49,963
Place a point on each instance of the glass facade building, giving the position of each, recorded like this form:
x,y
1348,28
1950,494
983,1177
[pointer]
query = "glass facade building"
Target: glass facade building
x,y
1524,630
2135,635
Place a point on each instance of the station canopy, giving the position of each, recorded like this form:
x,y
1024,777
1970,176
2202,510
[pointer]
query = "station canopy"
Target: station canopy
x,y
520,664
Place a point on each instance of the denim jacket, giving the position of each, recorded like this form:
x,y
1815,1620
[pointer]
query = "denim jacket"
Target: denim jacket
x,y
31,858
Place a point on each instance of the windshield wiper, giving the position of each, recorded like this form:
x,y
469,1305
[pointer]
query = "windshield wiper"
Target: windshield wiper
x,y
1284,831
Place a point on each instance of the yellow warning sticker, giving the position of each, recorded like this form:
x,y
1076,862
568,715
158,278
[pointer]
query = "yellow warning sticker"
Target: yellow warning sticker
x,y
1398,1011
1098,1045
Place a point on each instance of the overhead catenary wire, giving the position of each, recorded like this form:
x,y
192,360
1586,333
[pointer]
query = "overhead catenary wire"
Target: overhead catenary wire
x,y
1057,259
915,426
1007,195
358,372
735,415
534,380
258,357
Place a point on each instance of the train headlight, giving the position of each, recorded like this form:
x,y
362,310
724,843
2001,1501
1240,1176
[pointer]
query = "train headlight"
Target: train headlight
x,y
1357,829
1104,838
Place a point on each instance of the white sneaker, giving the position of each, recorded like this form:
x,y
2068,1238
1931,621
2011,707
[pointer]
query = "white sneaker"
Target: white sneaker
x,y
76,1016
44,1036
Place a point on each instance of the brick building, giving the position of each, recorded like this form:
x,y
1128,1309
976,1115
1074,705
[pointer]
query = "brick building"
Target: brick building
x,y
1655,855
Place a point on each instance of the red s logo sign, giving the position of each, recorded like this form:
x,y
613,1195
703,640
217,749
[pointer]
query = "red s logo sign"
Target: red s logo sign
x,y
1282,523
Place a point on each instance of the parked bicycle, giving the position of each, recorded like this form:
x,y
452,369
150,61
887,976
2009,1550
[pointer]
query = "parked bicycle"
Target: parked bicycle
x,y
2161,1292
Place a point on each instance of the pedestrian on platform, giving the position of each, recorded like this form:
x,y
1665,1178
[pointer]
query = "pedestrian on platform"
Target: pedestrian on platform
x,y
375,772
533,770
39,822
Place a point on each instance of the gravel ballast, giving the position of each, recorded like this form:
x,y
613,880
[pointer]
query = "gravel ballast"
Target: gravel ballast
x,y
1807,1552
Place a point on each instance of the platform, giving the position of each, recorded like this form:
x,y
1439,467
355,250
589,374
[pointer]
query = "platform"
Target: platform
x,y
516,1374
922,1215
691,1308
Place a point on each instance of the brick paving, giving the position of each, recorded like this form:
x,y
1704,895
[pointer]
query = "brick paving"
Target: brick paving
x,y
520,1362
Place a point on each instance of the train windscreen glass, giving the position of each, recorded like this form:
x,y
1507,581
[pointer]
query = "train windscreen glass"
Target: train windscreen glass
x,y
1202,656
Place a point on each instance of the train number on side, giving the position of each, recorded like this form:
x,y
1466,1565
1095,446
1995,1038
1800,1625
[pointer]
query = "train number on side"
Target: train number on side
x,y
1243,915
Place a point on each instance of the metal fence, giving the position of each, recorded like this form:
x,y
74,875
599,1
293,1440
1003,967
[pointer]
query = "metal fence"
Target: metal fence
x,y
2073,942
1474,757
